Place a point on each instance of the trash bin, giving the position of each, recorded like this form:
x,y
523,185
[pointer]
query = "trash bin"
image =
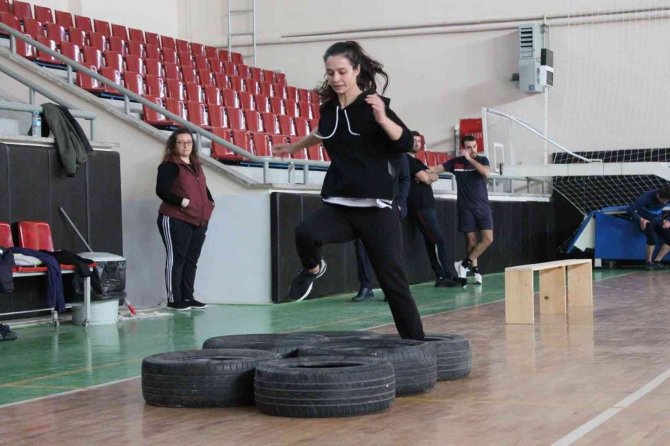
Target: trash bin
x,y
107,294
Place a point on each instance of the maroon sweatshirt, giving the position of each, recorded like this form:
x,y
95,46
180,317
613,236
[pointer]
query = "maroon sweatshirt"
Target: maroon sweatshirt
x,y
177,180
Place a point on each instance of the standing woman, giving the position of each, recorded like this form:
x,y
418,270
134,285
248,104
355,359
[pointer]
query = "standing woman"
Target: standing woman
x,y
364,139
182,217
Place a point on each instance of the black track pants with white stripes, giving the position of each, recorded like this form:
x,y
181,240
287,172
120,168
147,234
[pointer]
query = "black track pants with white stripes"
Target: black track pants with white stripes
x,y
183,243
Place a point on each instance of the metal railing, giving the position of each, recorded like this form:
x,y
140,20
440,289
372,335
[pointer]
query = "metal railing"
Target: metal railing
x,y
513,119
32,107
199,132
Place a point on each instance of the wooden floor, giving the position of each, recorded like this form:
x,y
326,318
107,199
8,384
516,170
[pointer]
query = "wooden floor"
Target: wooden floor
x,y
589,378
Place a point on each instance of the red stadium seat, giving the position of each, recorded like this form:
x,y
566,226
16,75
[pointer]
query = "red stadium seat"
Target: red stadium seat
x,y
137,35
98,40
167,42
153,67
270,123
201,63
279,90
155,86
152,39
183,46
236,83
246,100
243,71
92,57
117,44
172,71
151,116
169,55
6,239
5,6
313,124
305,109
10,20
185,59
221,152
35,234
262,144
56,32
235,118
77,36
262,103
114,60
136,48
230,98
72,51
269,76
23,10
314,97
194,92
242,139
113,75
277,106
197,49
316,113
291,108
152,52
135,64
206,77
33,28
300,154
224,55
251,86
213,95
221,80
83,23
303,95
102,27
43,14
133,82
229,68
257,74
175,89
215,65
236,57
280,78
120,31
253,121
266,89
314,153
292,94
42,55
431,158
301,126
421,156
176,106
197,114
188,75
217,116
286,125
88,83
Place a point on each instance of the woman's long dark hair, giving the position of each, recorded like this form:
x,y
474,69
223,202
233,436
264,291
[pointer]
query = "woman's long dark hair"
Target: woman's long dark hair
x,y
171,146
369,67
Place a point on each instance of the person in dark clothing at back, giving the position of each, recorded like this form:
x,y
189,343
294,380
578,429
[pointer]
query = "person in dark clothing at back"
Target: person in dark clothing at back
x,y
648,212
474,209
364,139
362,260
182,217
422,212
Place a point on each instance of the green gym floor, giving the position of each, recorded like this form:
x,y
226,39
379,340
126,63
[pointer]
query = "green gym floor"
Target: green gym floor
x,y
47,360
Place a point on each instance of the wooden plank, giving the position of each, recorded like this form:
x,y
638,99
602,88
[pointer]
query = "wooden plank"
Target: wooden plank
x,y
552,291
519,301
580,285
545,265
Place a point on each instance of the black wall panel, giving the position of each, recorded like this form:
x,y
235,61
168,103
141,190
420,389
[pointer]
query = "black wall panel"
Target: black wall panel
x,y
33,186
524,232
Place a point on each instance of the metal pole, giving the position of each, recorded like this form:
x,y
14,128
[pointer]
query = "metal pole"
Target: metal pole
x,y
81,237
305,174
266,170
69,75
31,96
126,104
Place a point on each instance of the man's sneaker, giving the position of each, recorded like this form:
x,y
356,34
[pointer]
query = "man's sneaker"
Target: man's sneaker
x,y
178,306
6,333
363,294
477,275
196,304
659,265
461,270
649,266
302,284
448,282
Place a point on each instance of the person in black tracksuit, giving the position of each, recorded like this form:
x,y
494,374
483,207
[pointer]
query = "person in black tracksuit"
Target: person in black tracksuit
x,y
182,217
364,139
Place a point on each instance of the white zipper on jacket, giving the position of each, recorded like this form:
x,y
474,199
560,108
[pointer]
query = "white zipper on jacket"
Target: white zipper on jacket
x,y
337,121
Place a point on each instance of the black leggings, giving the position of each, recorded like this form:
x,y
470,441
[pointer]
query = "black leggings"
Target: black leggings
x,y
436,245
379,230
653,229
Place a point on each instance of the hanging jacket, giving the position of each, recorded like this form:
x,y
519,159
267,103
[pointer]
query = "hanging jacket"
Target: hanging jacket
x,y
6,265
55,295
71,142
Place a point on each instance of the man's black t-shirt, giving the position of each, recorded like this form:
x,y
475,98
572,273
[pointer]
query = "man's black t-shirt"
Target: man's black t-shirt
x,y
472,191
420,194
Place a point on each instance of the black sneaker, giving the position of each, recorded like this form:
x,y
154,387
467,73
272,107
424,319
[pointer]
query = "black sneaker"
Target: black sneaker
x,y
6,333
302,284
178,306
649,266
363,294
659,265
196,304
448,282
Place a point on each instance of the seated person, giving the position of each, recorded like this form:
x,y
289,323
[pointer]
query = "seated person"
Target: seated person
x,y
648,211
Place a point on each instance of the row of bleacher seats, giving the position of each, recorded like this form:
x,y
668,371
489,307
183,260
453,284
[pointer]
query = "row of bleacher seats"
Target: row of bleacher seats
x,y
251,107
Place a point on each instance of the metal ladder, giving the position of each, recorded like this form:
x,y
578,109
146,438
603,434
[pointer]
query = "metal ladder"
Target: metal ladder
x,y
245,11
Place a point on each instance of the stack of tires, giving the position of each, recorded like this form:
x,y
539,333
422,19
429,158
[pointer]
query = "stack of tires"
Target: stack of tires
x,y
307,375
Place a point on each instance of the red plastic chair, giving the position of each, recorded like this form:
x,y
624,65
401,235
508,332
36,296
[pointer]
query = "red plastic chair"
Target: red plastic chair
x,y
137,35
6,239
117,44
175,89
71,50
251,85
169,55
292,94
257,74
23,10
10,20
113,75
172,71
221,80
5,6
221,152
133,82
246,100
277,106
185,59
279,78
213,95
314,153
152,39
43,14
215,65
102,27
286,125
279,90
114,59
194,92
188,75
155,86
229,68
224,55
92,57
151,116
300,154
270,123
235,118
242,139
303,95
197,49
77,36
35,235
83,23
183,46
197,114
167,42
152,52
262,103
43,56
33,28
176,106
136,48
135,64
261,143
243,71
201,62
88,83
217,116
98,40
301,126
253,121
205,77
236,57
236,83
120,31
291,108
230,98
